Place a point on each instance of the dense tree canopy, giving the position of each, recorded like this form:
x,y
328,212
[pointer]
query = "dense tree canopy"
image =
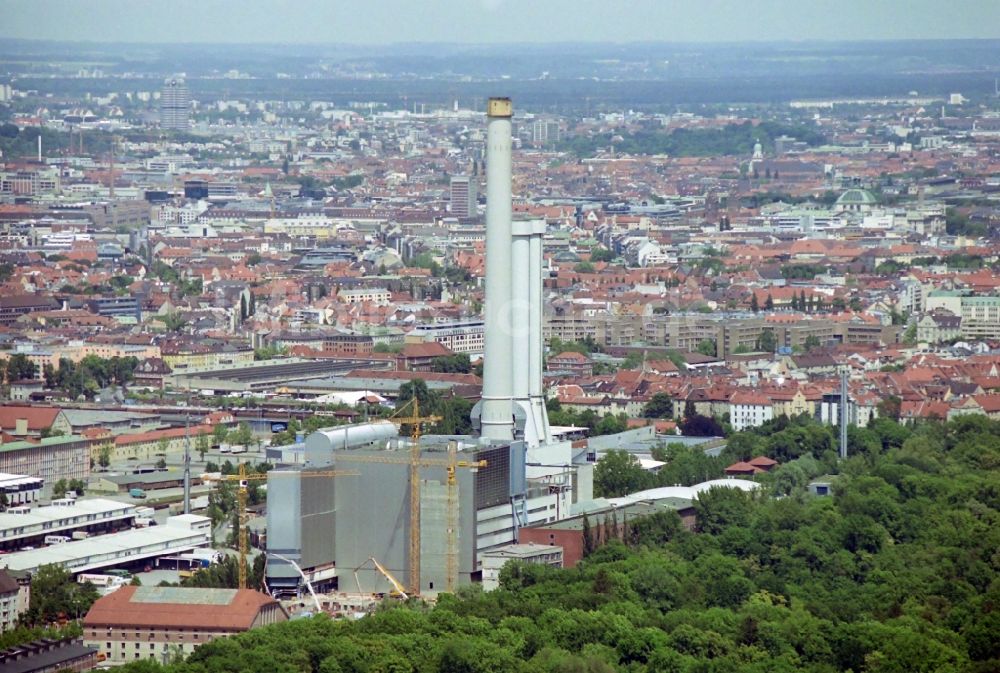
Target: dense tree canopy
x,y
452,364
897,571
56,596
729,140
661,405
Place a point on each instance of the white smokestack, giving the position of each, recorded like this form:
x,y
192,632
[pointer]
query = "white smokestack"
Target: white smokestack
x,y
520,333
536,348
512,404
496,415
531,421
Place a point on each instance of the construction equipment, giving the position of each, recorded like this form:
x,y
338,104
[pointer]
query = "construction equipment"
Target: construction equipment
x,y
397,587
302,574
416,421
244,478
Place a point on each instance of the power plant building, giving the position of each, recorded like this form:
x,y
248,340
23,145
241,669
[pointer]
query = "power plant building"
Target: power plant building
x,y
511,474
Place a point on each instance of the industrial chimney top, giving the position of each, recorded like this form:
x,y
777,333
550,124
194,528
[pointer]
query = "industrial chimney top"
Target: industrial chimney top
x,y
499,107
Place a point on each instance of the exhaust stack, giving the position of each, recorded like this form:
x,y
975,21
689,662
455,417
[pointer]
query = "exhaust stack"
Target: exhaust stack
x,y
497,415
512,405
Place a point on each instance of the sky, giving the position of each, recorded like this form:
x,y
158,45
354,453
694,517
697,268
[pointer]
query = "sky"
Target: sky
x,y
494,21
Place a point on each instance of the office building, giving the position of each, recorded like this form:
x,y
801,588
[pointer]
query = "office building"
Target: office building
x,y
463,196
175,105
458,336
545,132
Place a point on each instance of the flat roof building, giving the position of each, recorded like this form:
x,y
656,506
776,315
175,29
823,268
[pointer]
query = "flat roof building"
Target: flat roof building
x,y
495,559
603,521
181,533
20,489
63,517
175,105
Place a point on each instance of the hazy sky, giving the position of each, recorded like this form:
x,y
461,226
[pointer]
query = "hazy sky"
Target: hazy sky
x,y
382,21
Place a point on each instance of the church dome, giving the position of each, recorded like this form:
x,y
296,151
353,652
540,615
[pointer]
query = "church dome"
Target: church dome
x,y
856,197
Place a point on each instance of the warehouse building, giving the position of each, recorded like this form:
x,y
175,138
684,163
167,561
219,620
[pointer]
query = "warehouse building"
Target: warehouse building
x,y
96,516
20,489
132,548
157,623
147,481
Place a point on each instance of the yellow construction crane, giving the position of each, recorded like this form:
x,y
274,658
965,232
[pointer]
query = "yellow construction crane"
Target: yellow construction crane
x,y
397,587
416,421
244,478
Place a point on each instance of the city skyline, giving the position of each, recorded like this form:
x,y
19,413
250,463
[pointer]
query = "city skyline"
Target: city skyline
x,y
496,22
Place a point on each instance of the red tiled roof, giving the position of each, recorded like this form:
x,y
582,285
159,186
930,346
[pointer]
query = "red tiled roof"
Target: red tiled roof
x,y
429,349
39,418
570,356
118,609
743,468
989,403
157,435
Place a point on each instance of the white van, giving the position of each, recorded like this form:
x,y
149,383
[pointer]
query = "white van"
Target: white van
x,y
56,539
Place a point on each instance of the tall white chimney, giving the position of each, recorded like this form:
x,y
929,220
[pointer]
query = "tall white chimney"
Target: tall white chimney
x,y
536,349
513,404
496,414
530,418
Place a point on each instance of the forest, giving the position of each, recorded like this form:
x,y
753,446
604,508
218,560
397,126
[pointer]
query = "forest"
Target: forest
x,y
896,572
733,139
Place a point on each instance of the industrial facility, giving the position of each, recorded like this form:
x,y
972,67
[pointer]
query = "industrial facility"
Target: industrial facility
x,y
427,508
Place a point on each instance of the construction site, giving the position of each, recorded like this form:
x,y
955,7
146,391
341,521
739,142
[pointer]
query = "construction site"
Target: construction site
x,y
383,509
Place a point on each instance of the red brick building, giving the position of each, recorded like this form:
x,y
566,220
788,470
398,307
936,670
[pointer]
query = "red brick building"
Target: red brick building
x,y
604,524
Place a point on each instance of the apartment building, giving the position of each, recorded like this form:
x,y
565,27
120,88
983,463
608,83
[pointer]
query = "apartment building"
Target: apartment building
x,y
458,336
360,295
13,600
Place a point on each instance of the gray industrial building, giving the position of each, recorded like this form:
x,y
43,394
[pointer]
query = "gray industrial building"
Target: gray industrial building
x,y
329,526
266,375
337,523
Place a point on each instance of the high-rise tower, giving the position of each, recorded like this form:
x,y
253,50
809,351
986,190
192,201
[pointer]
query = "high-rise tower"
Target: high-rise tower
x,y
463,196
175,105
